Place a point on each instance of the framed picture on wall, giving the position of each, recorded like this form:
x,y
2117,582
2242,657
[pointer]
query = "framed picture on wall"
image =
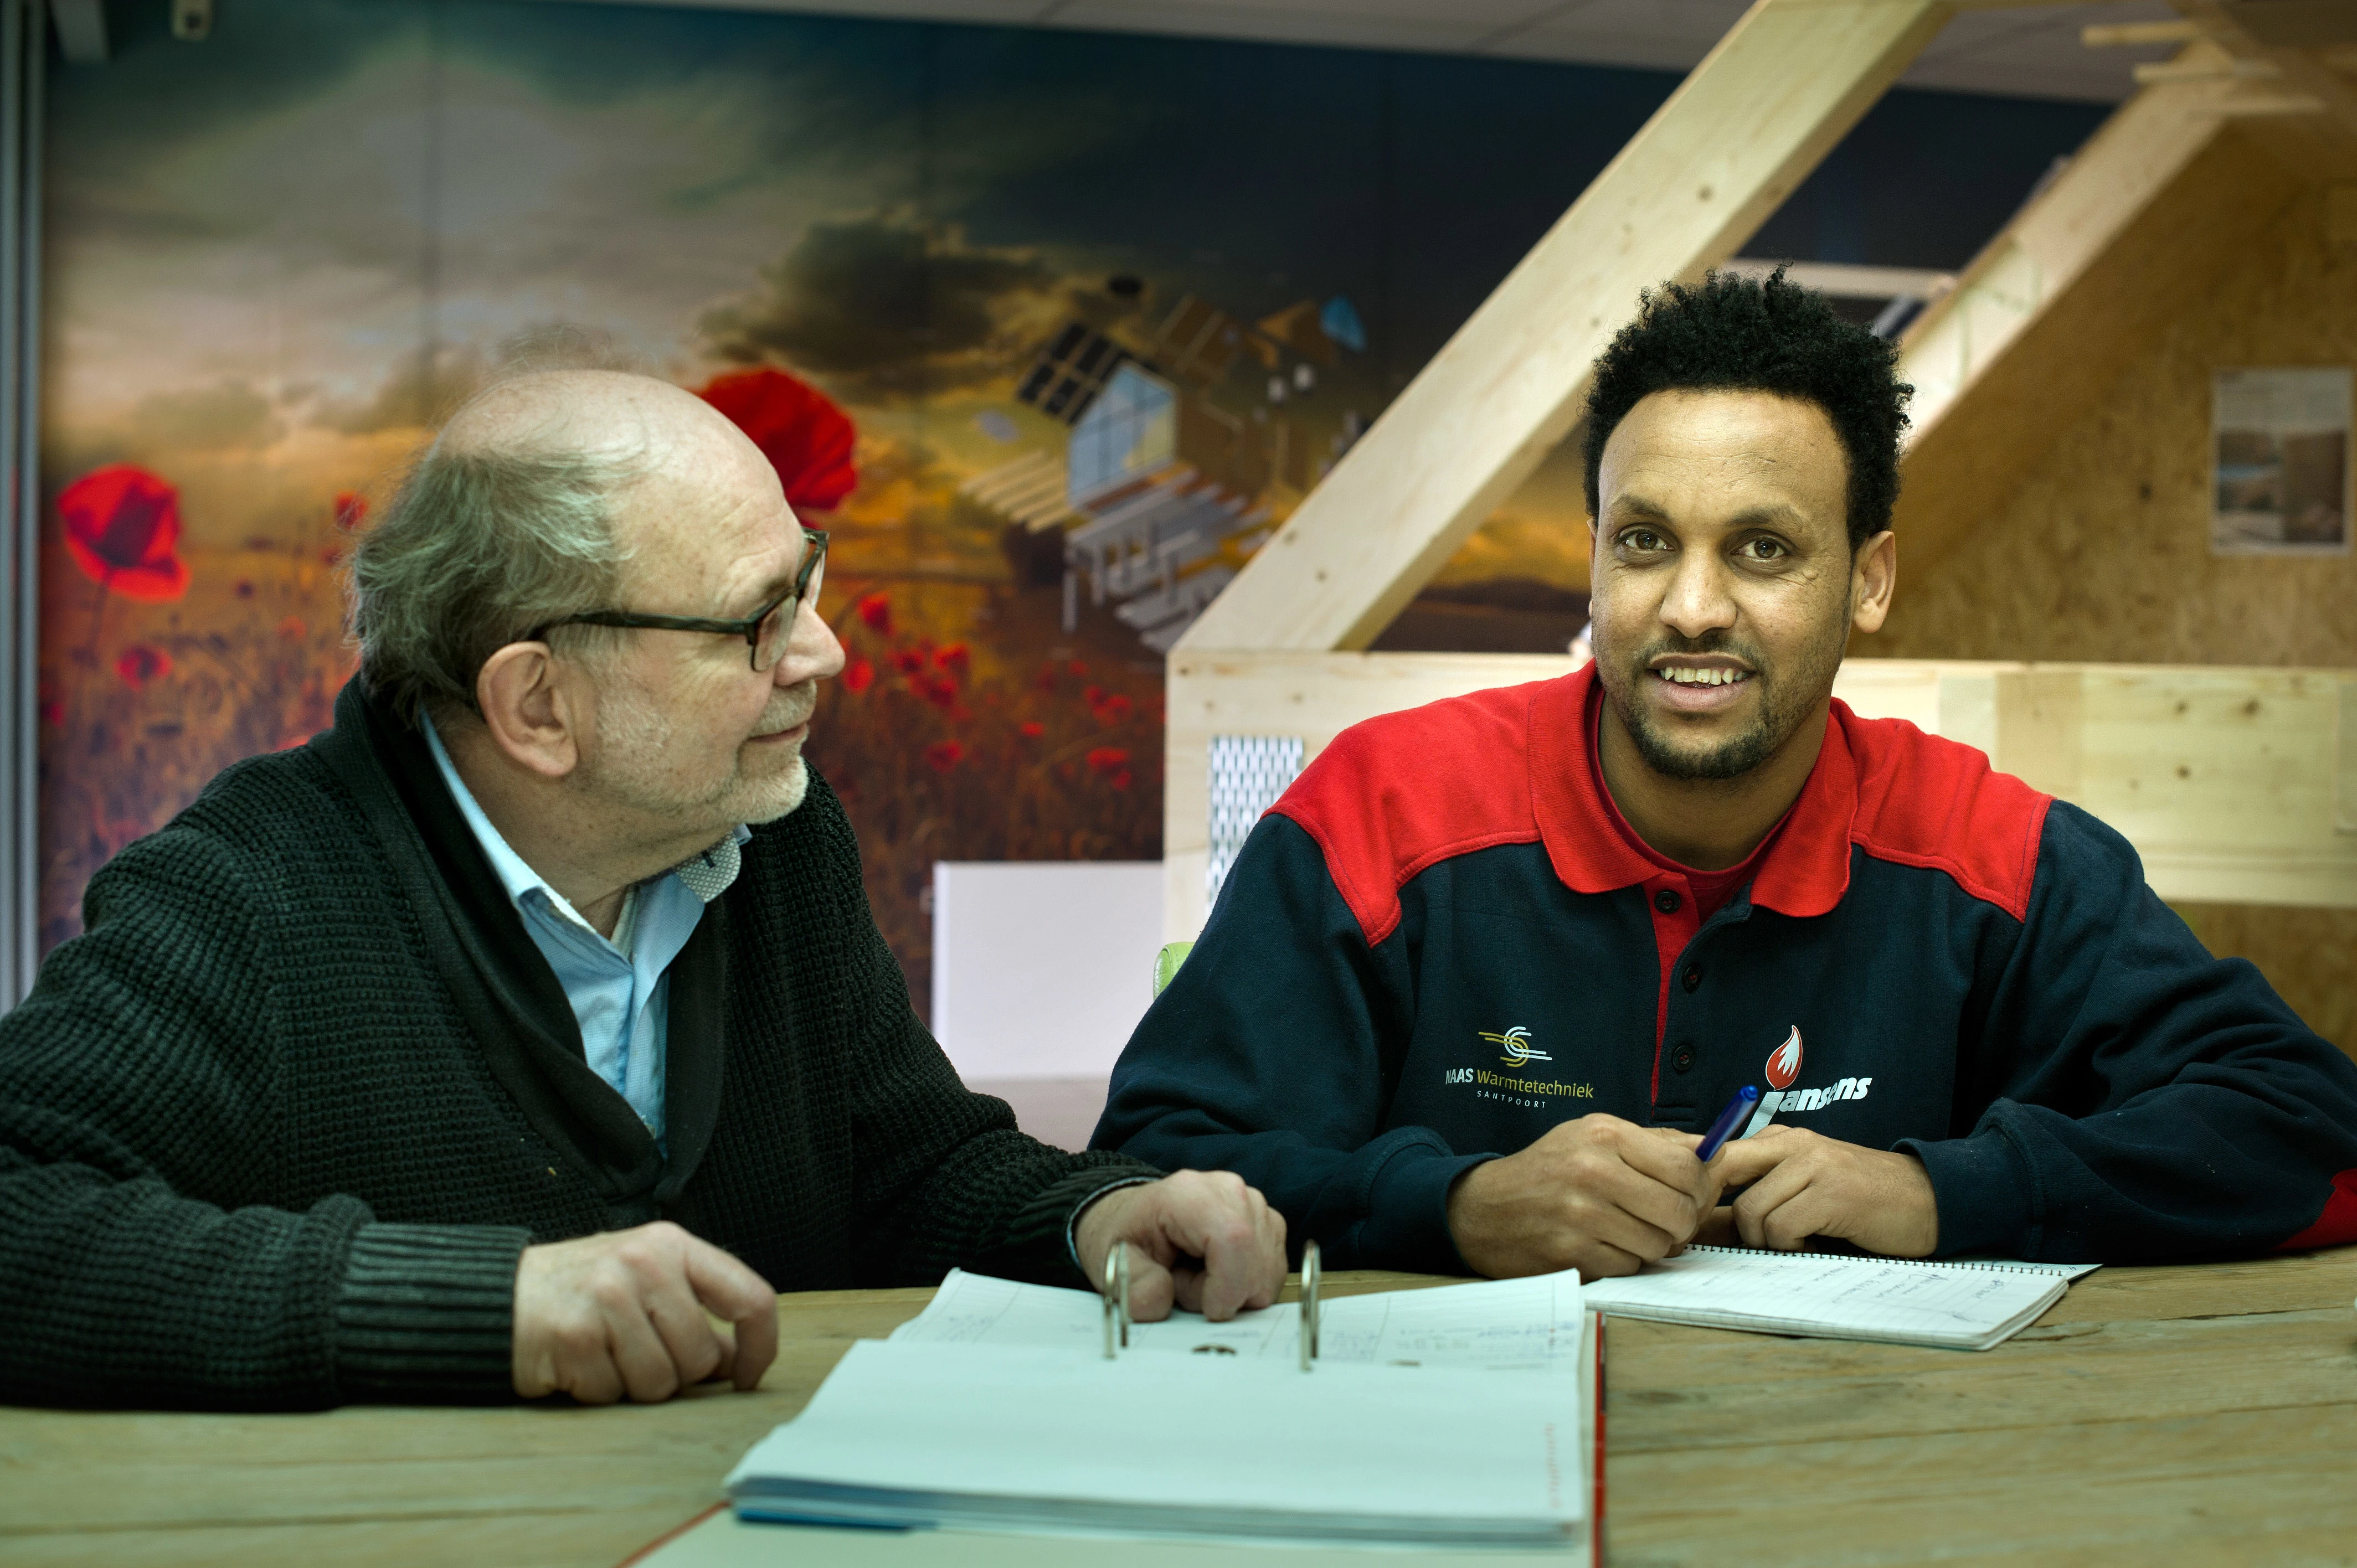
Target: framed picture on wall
x,y
2279,461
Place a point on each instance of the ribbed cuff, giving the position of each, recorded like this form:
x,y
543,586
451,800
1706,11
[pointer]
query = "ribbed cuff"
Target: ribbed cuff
x,y
427,1314
1072,1226
1407,1212
1983,1191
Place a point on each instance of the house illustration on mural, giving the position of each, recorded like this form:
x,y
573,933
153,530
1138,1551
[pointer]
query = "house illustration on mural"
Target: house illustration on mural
x,y
1163,493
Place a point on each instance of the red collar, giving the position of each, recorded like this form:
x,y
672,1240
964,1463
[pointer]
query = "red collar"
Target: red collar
x,y
1804,872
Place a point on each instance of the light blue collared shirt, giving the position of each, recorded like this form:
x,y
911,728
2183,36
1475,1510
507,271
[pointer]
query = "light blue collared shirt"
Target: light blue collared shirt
x,y
619,989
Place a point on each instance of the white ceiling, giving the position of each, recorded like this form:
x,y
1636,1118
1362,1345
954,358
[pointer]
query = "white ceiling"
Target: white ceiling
x,y
2033,50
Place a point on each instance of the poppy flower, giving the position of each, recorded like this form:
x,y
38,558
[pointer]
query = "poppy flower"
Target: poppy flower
x,y
122,529
953,657
1108,760
1080,671
1031,729
805,436
143,664
1114,709
1121,780
908,661
1094,695
876,609
945,755
351,508
858,675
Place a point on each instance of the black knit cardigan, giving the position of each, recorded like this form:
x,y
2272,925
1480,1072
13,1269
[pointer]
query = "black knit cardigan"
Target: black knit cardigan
x,y
275,1128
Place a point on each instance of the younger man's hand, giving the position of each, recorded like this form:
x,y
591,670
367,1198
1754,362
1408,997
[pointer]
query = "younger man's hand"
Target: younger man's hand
x,y
1597,1194
1799,1184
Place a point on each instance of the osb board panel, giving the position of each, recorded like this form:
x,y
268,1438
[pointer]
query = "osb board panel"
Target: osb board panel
x,y
2029,402
2308,955
2102,553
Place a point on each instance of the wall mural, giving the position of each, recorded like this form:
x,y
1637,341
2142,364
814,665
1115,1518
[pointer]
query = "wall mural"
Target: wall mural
x,y
1051,329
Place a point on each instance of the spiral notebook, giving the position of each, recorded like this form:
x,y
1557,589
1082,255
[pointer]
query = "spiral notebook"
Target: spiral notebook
x,y
1949,1305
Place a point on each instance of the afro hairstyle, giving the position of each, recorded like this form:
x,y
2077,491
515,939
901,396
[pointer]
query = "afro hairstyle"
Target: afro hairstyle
x,y
1739,335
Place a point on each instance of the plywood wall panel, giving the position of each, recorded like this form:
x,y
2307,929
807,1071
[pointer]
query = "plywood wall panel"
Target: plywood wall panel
x,y
2102,552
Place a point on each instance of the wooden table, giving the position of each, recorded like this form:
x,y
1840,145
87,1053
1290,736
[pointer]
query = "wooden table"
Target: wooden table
x,y
2196,1414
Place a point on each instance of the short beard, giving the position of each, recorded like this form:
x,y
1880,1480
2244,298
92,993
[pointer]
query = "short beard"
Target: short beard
x,y
633,735
1784,703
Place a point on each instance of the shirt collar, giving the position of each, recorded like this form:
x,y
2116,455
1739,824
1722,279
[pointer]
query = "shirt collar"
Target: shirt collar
x,y
1805,871
708,875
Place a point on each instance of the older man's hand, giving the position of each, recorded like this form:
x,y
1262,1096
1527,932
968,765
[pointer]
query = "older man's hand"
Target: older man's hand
x,y
1203,1239
623,1313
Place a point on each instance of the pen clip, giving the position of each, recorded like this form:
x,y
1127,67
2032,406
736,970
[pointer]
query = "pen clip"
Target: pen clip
x,y
1308,1304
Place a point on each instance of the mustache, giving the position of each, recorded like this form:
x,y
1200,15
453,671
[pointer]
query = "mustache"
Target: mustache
x,y
1708,643
790,707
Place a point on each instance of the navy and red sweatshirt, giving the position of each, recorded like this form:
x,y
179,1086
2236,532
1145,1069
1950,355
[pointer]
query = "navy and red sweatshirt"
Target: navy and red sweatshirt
x,y
1440,943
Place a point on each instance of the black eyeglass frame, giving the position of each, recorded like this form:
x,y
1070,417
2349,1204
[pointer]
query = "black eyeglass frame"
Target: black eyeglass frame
x,y
749,629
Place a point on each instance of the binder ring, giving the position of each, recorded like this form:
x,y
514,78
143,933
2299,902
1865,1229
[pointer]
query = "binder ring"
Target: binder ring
x,y
1308,1304
1116,1298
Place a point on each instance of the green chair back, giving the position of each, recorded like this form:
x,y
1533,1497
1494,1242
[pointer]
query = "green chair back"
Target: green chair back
x,y
1167,962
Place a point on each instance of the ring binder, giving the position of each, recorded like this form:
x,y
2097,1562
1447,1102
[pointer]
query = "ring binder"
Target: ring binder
x,y
1115,1303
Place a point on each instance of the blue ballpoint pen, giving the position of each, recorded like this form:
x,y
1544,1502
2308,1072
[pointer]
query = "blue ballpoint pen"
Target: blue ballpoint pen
x,y
1728,1120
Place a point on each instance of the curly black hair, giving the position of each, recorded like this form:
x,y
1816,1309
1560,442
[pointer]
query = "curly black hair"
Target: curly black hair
x,y
1773,336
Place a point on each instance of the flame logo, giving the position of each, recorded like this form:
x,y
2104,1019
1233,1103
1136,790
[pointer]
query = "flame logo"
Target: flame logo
x,y
1784,1061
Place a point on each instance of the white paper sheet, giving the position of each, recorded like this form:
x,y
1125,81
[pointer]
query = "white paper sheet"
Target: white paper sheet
x,y
1014,1437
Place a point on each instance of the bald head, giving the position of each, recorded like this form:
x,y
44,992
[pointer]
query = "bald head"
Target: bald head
x,y
647,427
549,495
681,476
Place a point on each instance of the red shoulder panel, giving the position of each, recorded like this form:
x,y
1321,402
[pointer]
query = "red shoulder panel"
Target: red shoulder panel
x,y
1393,795
2337,1226
1937,804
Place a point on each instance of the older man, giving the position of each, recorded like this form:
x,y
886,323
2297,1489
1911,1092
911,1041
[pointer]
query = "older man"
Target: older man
x,y
495,1038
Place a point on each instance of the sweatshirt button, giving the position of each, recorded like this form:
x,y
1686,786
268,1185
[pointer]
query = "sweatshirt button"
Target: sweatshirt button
x,y
1683,1057
1667,901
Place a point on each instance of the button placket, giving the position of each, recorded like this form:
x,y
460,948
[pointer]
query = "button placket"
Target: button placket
x,y
1675,926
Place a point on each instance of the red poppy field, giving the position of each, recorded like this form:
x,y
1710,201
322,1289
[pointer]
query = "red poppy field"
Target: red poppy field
x,y
1033,746
145,695
967,724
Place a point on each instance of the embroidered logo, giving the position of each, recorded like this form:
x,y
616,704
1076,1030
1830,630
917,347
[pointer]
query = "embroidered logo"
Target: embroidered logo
x,y
1516,1043
1784,1061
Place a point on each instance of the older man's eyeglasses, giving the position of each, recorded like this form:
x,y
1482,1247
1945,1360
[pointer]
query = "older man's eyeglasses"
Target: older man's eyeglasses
x,y
767,631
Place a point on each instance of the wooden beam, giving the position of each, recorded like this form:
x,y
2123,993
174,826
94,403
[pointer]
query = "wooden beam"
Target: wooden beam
x,y
1731,144
2154,207
2235,785
2155,73
2223,25
2130,35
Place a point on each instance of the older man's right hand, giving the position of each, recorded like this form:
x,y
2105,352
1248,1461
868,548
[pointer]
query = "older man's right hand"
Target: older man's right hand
x,y
1597,1194
623,1314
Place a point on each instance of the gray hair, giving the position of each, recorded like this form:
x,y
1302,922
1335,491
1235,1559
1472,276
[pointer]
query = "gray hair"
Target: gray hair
x,y
479,549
